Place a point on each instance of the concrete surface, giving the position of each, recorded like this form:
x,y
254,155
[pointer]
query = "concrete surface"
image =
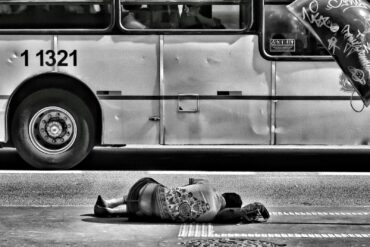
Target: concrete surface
x,y
45,226
75,187
54,208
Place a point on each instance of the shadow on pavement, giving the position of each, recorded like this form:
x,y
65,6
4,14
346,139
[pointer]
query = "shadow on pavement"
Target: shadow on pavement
x,y
122,220
113,220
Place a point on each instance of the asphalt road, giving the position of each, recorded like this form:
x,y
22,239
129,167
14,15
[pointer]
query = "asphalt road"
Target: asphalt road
x,y
43,208
74,188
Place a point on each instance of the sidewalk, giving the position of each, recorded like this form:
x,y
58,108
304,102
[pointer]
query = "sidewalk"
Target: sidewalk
x,y
76,226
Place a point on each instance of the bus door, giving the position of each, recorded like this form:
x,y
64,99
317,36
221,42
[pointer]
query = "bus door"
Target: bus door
x,y
215,83
313,95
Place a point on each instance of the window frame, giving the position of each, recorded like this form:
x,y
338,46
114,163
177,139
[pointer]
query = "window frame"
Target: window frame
x,y
60,30
269,56
247,29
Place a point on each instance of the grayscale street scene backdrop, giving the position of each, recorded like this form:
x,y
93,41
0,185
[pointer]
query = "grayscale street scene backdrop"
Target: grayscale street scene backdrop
x,y
134,122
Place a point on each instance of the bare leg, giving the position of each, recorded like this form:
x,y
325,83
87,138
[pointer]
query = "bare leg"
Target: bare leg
x,y
110,208
120,210
115,202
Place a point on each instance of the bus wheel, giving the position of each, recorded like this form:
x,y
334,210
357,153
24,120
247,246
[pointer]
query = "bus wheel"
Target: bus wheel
x,y
53,129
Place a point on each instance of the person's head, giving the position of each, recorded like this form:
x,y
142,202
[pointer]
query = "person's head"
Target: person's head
x,y
131,7
232,200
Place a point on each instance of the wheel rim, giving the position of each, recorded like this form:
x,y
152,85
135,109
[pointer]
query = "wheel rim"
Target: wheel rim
x,y
53,130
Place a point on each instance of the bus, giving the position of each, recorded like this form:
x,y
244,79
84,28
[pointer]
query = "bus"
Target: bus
x,y
76,74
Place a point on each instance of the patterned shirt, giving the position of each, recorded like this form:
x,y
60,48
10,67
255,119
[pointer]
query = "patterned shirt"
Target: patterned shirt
x,y
198,202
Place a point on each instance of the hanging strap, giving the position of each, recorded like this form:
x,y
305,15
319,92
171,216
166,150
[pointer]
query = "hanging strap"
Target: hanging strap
x,y
353,108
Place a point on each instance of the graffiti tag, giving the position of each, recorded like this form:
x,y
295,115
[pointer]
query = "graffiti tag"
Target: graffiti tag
x,y
345,4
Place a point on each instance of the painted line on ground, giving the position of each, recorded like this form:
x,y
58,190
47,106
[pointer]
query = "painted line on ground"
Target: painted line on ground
x,y
207,231
343,173
201,230
45,206
246,173
312,213
201,173
149,172
208,173
41,172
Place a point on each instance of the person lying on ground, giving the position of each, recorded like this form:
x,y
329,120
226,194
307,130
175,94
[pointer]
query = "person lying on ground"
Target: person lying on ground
x,y
198,201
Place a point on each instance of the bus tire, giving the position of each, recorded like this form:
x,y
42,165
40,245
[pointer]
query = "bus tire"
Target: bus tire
x,y
53,129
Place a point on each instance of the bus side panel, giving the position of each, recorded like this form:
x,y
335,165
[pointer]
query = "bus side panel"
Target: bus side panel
x,y
308,78
219,122
13,67
206,64
321,122
125,64
306,121
213,65
127,121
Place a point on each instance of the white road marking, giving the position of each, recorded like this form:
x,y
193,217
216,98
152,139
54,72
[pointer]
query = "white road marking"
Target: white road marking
x,y
45,206
204,231
209,173
196,230
320,213
41,172
201,173
246,173
343,173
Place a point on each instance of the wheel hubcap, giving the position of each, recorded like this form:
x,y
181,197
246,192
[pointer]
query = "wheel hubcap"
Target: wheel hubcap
x,y
53,130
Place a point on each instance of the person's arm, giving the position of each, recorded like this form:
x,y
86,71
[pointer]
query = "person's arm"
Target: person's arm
x,y
254,212
210,22
130,22
229,215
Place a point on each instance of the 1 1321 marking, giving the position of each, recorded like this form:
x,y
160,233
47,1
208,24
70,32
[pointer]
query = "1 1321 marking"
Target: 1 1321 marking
x,y
52,58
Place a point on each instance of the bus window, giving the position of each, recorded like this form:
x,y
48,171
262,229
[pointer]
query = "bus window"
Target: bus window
x,y
23,16
284,35
197,15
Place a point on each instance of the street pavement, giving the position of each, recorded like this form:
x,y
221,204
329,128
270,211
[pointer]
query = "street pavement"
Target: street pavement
x,y
55,208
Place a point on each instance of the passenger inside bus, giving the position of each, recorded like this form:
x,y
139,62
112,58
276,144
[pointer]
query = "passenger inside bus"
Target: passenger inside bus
x,y
12,9
83,9
25,16
152,16
135,16
5,9
178,16
164,16
199,17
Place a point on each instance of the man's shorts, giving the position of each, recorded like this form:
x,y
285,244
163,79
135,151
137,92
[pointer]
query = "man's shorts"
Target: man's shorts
x,y
134,194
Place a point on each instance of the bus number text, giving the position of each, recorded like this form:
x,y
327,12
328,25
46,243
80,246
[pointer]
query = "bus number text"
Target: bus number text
x,y
52,58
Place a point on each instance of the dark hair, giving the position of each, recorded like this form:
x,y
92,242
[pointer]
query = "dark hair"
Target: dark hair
x,y
132,7
233,200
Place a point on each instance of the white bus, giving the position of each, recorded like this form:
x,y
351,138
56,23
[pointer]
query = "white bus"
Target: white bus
x,y
82,73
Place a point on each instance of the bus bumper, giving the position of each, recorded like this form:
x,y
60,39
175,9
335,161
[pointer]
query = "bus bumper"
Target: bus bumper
x,y
245,149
